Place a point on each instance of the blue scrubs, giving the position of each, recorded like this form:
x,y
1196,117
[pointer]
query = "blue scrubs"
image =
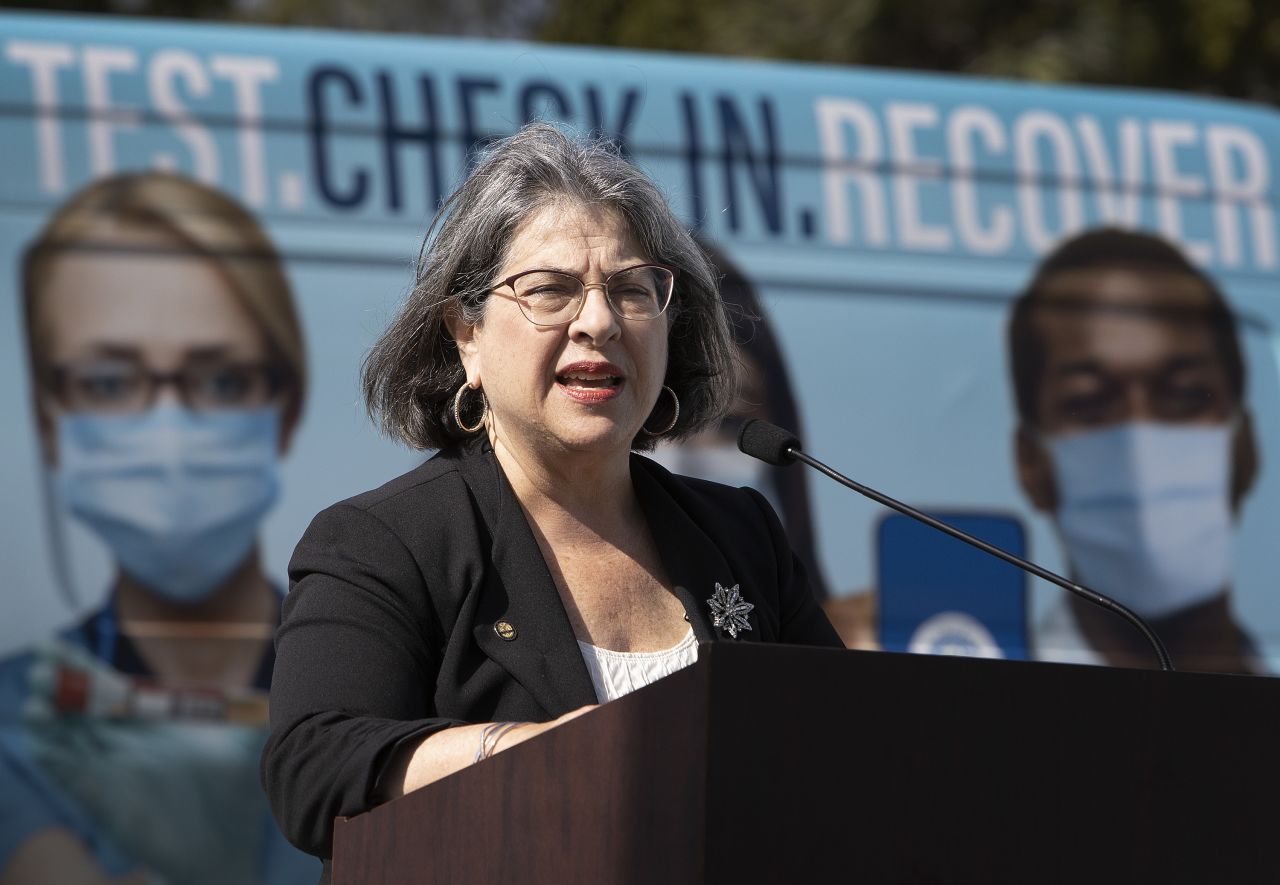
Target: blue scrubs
x,y
31,801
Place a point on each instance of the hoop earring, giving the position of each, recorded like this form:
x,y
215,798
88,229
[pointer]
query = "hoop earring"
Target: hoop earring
x,y
675,402
457,410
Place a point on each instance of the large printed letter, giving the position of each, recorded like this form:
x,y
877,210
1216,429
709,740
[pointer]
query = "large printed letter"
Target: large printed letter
x,y
617,129
762,171
840,170
1172,184
167,66
44,59
903,119
1030,129
963,127
1247,191
247,74
355,195
693,156
537,98
473,139
1119,202
394,134
100,62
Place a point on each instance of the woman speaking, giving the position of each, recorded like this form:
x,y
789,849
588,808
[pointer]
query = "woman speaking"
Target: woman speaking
x,y
561,319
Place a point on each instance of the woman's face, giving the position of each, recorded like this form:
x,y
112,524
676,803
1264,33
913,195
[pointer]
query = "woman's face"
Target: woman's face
x,y
584,386
103,318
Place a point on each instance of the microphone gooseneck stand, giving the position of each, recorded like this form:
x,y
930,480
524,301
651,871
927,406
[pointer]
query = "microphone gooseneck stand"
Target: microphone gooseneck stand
x,y
774,445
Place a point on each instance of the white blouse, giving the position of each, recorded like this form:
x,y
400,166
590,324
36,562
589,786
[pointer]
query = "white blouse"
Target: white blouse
x,y
615,673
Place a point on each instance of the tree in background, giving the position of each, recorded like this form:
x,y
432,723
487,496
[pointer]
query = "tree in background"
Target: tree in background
x,y
1221,47
479,18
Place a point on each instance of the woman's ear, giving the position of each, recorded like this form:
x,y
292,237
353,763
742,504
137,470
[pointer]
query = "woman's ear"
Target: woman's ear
x,y
1035,470
289,416
46,429
466,336
1244,460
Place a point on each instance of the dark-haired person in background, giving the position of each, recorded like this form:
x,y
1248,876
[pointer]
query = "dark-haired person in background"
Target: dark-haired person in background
x,y
1134,436
765,392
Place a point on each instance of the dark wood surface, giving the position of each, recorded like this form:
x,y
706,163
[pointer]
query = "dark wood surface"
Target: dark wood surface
x,y
772,764
613,796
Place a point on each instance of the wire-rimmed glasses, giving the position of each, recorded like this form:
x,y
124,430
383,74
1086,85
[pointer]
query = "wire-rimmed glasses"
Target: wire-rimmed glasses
x,y
552,297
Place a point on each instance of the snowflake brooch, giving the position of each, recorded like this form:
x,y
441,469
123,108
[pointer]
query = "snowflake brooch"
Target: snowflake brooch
x,y
729,610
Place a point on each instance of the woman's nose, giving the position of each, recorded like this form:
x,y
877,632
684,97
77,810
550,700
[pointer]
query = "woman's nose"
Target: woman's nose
x,y
169,393
596,320
1137,403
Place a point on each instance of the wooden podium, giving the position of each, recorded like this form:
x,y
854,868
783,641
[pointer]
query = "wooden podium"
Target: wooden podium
x,y
794,765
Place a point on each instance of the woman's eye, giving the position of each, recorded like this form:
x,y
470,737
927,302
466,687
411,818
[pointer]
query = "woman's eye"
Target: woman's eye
x,y
1187,402
105,387
221,386
1091,408
632,293
548,297
550,292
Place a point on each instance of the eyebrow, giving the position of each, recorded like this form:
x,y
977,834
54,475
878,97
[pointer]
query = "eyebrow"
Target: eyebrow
x,y
113,350
1174,313
1176,363
574,273
1199,361
1078,367
215,351
110,350
536,269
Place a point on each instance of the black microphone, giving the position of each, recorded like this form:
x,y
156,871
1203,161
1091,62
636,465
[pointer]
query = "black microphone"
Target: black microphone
x,y
773,445
768,442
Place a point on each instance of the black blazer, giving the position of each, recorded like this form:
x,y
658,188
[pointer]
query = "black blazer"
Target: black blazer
x,y
387,633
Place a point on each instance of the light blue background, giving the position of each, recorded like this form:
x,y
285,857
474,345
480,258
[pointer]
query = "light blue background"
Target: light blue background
x,y
897,353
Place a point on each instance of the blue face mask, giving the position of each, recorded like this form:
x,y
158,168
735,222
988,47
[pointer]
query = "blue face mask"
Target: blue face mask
x,y
176,495
1144,512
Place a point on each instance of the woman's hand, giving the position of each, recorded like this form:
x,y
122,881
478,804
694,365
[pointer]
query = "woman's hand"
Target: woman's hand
x,y
454,749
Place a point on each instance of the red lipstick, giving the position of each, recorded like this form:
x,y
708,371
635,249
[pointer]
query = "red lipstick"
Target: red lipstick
x,y
590,381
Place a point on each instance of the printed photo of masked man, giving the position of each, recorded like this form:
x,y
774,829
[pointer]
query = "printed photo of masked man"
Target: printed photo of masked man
x,y
1133,437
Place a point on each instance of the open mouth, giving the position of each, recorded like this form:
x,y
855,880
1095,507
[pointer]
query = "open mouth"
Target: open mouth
x,y
590,382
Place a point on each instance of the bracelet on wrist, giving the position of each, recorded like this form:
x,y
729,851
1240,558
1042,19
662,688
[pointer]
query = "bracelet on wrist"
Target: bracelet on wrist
x,y
489,737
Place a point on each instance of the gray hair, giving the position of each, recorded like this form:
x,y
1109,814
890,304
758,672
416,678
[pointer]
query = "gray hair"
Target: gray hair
x,y
412,373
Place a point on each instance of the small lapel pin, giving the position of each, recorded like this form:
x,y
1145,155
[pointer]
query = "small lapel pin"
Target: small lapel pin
x,y
505,630
729,610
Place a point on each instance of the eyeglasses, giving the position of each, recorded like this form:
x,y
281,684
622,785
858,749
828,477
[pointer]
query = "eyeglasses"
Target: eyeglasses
x,y
122,386
552,298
